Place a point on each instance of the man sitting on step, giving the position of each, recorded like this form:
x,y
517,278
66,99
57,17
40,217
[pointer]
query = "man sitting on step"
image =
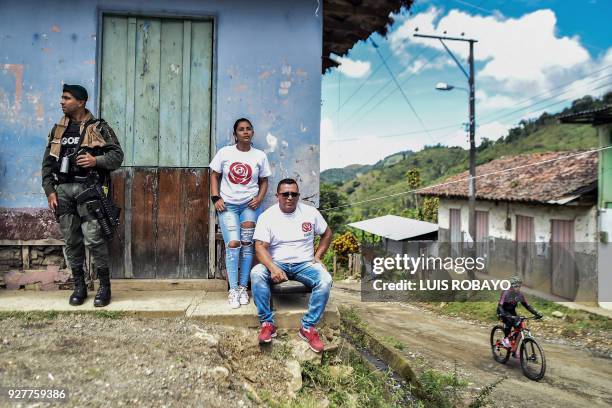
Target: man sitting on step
x,y
284,244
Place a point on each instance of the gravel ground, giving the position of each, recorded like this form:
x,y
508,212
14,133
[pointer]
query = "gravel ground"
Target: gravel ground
x,y
128,361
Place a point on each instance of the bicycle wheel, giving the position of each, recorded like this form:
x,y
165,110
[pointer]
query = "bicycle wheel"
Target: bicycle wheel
x,y
533,361
500,353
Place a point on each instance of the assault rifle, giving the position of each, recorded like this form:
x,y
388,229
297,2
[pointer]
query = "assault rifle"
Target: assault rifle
x,y
99,205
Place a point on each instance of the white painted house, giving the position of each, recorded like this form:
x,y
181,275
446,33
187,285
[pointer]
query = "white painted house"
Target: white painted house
x,y
539,221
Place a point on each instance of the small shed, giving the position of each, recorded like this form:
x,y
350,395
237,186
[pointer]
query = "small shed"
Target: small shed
x,y
396,232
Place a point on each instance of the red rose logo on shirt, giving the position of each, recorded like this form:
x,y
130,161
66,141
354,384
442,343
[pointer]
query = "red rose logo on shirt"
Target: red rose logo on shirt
x,y
306,227
240,173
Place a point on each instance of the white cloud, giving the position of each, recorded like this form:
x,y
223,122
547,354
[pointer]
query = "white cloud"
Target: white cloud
x,y
519,54
340,152
352,68
486,102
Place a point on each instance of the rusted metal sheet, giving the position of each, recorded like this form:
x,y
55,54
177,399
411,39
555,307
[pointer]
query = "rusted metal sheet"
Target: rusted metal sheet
x,y
563,277
165,228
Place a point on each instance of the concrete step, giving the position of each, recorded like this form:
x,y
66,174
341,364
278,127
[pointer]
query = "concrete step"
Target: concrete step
x,y
210,307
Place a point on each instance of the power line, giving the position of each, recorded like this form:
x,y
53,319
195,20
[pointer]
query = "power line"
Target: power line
x,y
389,82
495,118
544,100
535,110
400,89
372,75
385,98
468,178
553,89
413,132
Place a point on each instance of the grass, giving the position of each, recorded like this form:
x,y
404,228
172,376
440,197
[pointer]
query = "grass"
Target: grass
x,y
441,388
393,342
438,389
360,389
53,314
483,307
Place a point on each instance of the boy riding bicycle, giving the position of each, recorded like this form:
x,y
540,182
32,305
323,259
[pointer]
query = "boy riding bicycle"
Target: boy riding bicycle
x,y
506,309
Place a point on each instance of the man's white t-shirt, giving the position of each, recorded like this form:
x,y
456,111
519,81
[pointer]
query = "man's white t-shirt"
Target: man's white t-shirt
x,y
241,172
291,236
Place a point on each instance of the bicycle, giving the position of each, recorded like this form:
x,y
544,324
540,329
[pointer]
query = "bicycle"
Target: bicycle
x,y
533,362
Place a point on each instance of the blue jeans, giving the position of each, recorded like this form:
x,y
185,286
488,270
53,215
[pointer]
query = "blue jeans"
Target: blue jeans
x,y
229,221
313,275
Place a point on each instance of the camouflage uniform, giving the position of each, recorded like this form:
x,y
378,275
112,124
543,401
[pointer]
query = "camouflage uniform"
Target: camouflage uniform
x,y
79,229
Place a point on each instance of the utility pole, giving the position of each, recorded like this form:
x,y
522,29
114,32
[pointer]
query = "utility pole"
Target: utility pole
x,y
472,104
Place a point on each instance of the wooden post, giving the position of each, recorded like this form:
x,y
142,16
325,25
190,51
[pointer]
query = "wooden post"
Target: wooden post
x,y
350,265
357,265
335,265
25,256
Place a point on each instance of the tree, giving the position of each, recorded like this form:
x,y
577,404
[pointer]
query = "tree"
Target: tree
x,y
331,198
414,182
430,209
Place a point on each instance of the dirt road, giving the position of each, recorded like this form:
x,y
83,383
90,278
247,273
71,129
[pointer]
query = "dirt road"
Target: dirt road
x,y
574,377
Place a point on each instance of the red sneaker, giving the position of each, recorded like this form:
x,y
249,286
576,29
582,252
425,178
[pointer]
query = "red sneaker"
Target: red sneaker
x,y
312,337
268,330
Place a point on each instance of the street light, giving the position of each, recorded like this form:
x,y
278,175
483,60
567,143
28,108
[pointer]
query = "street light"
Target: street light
x,y
469,75
443,86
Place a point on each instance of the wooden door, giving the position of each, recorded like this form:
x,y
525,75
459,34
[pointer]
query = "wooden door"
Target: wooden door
x,y
525,247
455,232
482,234
155,92
563,277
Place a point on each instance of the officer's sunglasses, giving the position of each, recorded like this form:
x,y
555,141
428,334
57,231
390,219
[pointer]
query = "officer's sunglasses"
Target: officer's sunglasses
x,y
288,194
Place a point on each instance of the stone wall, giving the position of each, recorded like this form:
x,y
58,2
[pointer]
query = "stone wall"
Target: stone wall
x,y
40,258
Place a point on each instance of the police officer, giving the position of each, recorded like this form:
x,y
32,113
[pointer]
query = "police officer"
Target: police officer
x,y
77,144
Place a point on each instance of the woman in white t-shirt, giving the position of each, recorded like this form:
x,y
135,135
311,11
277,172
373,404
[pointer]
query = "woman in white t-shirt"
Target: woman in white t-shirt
x,y
243,171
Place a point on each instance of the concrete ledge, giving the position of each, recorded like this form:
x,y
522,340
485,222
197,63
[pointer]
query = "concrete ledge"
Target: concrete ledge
x,y
206,306
207,285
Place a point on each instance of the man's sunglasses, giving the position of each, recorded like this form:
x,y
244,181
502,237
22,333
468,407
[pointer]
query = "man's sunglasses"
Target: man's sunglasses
x,y
287,194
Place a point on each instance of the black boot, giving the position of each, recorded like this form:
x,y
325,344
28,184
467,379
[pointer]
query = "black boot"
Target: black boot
x,y
103,296
80,289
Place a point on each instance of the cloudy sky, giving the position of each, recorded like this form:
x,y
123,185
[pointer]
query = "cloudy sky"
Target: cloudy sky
x,y
531,56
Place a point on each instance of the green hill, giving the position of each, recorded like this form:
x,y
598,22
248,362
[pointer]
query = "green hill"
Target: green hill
x,y
436,163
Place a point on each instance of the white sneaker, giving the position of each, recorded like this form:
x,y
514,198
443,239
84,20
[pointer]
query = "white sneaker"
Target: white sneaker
x,y
233,298
243,295
506,342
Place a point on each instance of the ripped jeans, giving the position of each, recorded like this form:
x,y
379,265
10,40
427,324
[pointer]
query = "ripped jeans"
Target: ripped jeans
x,y
241,255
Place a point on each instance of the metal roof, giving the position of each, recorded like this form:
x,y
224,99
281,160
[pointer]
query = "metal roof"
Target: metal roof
x,y
395,227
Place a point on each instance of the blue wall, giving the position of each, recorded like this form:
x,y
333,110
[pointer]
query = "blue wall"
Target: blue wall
x,y
268,65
